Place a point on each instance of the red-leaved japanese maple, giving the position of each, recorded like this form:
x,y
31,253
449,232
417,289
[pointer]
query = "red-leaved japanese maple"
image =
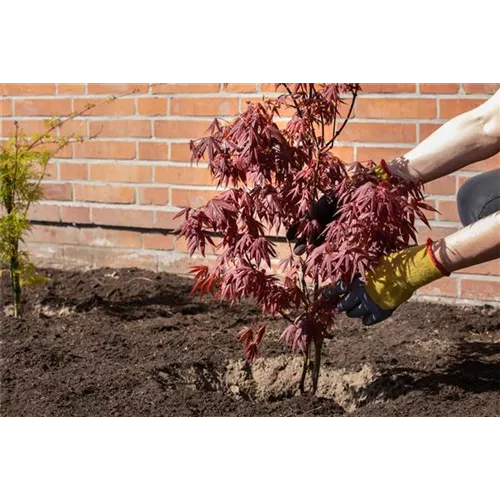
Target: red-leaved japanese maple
x,y
274,173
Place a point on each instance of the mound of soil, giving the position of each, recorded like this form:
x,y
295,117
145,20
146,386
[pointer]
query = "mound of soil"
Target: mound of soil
x,y
135,343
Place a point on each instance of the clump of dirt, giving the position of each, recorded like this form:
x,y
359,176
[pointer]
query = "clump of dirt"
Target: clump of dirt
x,y
135,343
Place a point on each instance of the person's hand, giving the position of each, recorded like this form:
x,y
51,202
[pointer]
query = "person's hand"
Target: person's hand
x,y
326,208
324,213
394,280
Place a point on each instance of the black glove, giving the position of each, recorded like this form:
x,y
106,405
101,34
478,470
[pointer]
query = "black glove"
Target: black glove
x,y
357,303
324,213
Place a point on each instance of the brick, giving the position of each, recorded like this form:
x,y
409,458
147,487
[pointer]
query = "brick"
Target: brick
x,y
110,238
480,290
117,259
54,234
121,217
191,197
449,108
388,88
270,88
121,128
103,149
481,88
79,215
186,88
207,106
180,152
379,132
27,127
65,152
117,88
377,154
158,241
436,233
182,129
184,175
50,171
282,249
343,109
439,88
121,173
153,196
45,255
462,180
43,107
446,287
181,246
346,154
367,87
106,107
427,129
78,257
165,220
70,88
74,127
73,171
448,211
153,151
241,87
5,107
444,186
485,165
46,213
22,89
396,108
246,101
491,268
104,194
152,106
62,192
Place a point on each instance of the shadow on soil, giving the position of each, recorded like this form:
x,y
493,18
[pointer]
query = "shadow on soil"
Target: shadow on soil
x,y
470,375
127,297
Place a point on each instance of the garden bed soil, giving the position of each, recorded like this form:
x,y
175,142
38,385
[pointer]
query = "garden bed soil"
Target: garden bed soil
x,y
135,343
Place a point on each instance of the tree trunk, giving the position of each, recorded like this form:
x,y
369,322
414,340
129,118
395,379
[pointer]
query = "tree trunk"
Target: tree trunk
x,y
16,285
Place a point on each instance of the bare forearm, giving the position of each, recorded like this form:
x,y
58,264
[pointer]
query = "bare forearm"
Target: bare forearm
x,y
474,244
468,138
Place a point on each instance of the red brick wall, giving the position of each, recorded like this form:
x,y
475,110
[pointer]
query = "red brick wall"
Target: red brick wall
x,y
129,181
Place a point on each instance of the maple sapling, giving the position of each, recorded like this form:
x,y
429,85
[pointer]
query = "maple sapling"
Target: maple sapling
x,y
342,218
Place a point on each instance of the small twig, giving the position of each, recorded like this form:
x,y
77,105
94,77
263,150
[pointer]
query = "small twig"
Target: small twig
x,y
293,99
336,134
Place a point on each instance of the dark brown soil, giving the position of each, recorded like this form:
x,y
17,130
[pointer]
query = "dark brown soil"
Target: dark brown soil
x,y
134,343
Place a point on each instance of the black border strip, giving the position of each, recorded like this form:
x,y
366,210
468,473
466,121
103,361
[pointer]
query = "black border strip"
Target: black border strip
x,y
148,230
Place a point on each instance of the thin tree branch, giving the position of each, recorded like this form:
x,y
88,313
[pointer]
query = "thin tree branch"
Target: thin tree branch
x,y
336,134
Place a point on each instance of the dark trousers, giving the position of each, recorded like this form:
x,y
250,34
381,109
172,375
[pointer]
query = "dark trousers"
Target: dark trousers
x,y
479,197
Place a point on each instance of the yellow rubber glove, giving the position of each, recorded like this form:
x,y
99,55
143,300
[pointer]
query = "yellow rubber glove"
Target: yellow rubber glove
x,y
394,280
397,276
382,171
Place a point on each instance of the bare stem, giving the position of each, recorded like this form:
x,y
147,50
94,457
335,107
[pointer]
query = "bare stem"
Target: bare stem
x,y
317,365
290,93
16,284
336,134
305,367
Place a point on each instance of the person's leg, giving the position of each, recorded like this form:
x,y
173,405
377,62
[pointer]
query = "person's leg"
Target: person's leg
x,y
479,197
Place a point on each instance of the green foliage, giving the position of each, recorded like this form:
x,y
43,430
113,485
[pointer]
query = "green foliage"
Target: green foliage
x,y
23,166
